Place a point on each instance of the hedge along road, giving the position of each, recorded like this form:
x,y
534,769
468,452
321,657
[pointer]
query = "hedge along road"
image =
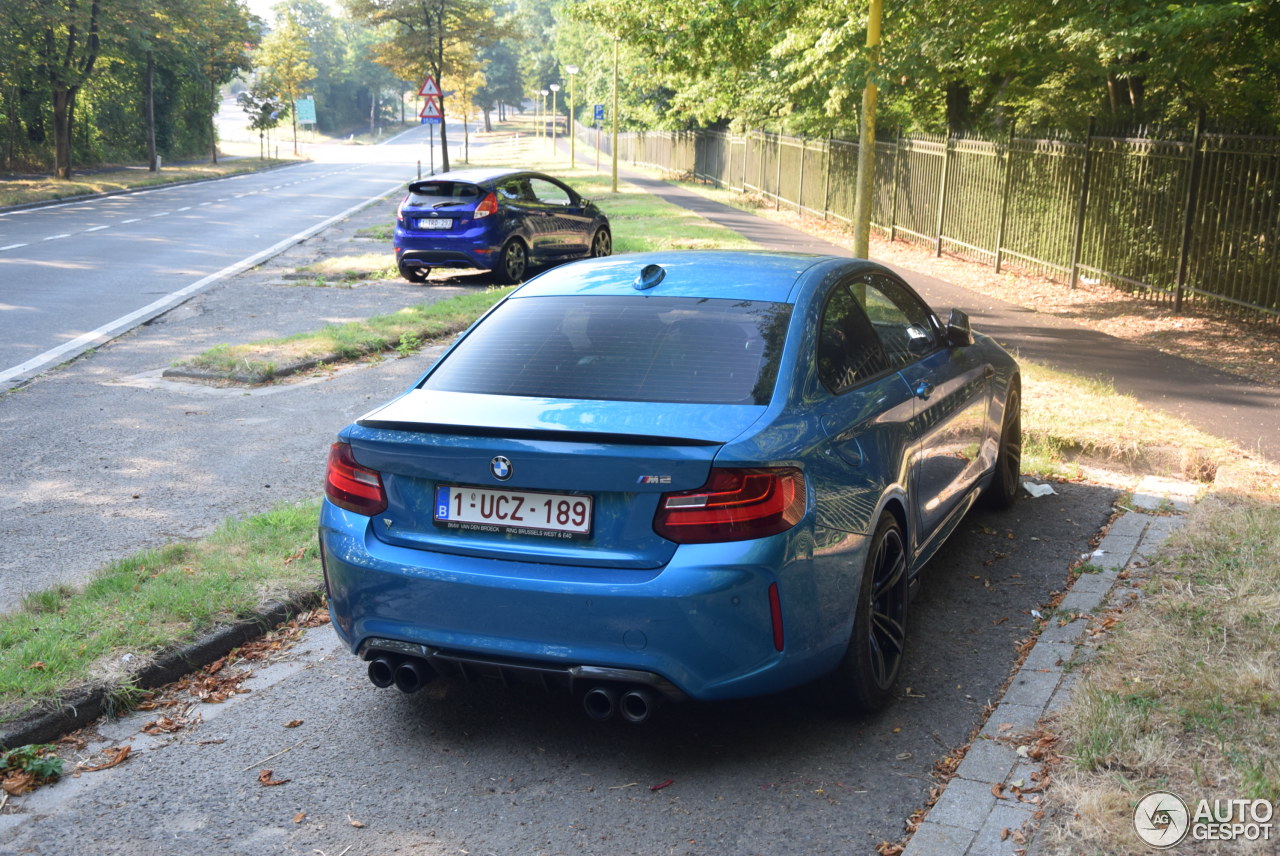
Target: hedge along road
x,y
116,459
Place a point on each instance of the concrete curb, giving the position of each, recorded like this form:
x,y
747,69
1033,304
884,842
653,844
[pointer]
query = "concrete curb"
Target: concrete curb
x,y
49,721
969,819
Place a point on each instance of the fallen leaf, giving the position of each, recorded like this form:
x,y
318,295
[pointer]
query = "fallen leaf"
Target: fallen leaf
x,y
18,784
357,824
121,753
1004,834
293,723
299,817
38,666
668,783
997,791
264,778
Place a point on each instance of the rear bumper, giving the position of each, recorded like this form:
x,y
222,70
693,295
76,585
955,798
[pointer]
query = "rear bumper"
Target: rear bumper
x,y
701,623
471,247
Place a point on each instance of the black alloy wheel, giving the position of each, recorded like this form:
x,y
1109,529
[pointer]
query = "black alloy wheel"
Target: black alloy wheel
x,y
601,244
512,263
865,678
1002,492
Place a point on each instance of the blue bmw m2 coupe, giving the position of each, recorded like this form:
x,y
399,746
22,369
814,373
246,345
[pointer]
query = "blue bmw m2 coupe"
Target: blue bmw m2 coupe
x,y
666,476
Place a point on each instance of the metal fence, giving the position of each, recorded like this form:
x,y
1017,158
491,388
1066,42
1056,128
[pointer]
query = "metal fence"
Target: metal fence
x,y
1175,220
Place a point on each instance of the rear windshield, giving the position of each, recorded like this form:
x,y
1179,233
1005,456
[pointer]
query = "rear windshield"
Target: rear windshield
x,y
622,349
435,192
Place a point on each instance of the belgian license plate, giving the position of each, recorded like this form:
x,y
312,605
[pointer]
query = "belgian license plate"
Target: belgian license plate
x,y
551,515
436,223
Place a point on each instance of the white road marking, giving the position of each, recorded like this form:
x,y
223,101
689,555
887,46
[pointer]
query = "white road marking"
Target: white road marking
x,y
134,220
12,247
97,228
56,237
188,208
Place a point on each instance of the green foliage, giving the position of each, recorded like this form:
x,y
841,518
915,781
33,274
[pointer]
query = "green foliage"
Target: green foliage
x,y
37,759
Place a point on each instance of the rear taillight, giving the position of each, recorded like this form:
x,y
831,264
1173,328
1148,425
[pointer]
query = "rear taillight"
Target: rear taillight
x,y
487,206
351,486
734,505
400,208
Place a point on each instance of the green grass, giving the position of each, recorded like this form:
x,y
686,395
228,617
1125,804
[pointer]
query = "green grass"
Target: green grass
x,y
63,637
46,189
353,340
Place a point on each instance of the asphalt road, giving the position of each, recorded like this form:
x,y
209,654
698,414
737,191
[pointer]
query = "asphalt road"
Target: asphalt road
x,y
76,274
115,459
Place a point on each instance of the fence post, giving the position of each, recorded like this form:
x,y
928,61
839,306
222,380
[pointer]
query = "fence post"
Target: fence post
x,y
804,156
1086,169
942,197
1188,213
1004,196
826,182
777,178
897,177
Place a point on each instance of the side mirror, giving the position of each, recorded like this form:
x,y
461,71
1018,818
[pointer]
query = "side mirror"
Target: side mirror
x,y
959,333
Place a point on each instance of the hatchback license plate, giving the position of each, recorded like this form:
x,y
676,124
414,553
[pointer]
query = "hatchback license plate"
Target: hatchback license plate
x,y
436,223
552,515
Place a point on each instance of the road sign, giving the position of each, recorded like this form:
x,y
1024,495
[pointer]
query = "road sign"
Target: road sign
x,y
599,113
431,109
429,88
305,110
430,120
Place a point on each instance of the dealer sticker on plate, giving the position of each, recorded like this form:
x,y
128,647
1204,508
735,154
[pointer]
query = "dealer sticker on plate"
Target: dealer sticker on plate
x,y
551,515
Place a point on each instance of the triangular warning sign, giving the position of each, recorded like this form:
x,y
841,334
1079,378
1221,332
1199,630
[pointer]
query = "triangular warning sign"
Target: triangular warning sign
x,y
430,110
429,88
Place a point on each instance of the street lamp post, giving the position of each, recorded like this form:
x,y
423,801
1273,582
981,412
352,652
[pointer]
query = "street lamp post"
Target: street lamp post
x,y
616,40
573,104
555,117
542,125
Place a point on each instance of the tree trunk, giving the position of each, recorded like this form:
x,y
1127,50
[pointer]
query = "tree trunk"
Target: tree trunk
x,y
958,96
213,122
62,99
151,111
487,125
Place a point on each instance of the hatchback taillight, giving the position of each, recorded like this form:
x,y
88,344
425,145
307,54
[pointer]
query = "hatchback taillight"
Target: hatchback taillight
x,y
487,206
400,208
734,505
351,486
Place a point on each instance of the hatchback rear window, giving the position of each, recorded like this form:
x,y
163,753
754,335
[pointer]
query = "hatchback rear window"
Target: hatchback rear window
x,y
674,349
434,192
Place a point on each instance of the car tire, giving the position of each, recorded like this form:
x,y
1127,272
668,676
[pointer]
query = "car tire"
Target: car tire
x,y
513,262
1003,489
865,679
601,244
414,274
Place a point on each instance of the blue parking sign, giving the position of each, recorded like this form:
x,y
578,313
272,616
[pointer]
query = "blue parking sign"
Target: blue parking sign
x,y
599,112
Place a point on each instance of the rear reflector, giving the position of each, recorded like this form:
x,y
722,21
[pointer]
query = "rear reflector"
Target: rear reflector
x,y
734,505
487,206
351,486
775,613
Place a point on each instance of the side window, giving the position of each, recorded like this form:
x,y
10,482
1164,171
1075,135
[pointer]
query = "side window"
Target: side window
x,y
514,190
903,324
549,193
848,350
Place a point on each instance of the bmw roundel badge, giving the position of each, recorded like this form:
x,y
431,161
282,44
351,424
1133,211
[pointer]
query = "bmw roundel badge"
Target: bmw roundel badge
x,y
501,468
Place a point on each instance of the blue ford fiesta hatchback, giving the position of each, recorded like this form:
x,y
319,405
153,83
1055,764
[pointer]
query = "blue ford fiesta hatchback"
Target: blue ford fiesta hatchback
x,y
504,221
698,475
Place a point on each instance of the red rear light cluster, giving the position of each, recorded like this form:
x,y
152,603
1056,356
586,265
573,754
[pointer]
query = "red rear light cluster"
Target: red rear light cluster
x,y
400,208
351,486
487,206
734,505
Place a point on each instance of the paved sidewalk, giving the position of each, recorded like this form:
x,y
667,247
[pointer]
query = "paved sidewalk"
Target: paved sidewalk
x,y
969,819
1217,402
